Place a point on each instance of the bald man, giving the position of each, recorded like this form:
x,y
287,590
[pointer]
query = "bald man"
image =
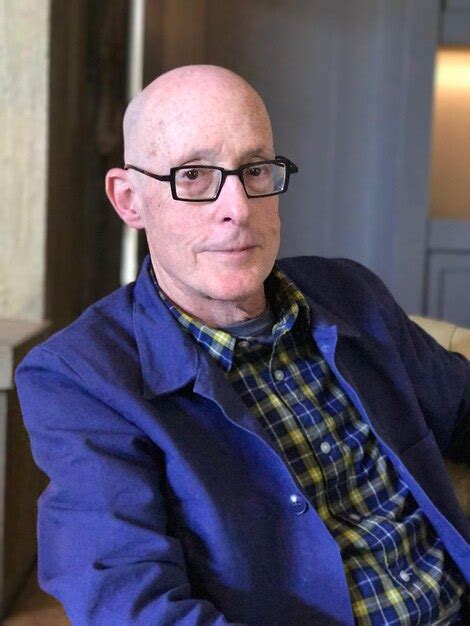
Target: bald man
x,y
211,262
233,439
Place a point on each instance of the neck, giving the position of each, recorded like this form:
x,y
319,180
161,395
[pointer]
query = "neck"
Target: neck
x,y
211,311
220,314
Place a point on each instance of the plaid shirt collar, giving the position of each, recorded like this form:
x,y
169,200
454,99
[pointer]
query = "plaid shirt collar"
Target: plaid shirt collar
x,y
289,305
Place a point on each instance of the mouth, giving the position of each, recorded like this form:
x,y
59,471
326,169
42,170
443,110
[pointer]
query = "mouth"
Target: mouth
x,y
234,253
235,249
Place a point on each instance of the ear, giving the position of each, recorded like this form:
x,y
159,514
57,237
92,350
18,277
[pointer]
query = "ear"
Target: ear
x,y
124,197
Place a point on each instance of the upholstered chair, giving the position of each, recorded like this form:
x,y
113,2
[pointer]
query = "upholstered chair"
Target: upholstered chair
x,y
456,339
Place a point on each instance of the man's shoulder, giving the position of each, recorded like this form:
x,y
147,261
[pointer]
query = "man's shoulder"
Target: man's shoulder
x,y
307,263
105,328
343,289
333,278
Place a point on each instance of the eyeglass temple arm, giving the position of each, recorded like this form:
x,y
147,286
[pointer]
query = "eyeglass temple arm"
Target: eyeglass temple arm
x,y
138,169
293,169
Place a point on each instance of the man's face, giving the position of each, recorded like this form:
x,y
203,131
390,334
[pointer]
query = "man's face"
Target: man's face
x,y
221,250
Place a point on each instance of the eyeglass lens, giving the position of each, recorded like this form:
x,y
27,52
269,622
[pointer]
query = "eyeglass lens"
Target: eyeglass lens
x,y
259,179
197,183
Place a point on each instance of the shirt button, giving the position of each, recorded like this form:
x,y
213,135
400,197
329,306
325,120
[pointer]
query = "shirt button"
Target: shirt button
x,y
325,347
279,375
405,576
354,517
325,447
299,505
243,344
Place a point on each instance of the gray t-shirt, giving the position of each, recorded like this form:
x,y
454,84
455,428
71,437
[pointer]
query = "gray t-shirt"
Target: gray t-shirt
x,y
258,327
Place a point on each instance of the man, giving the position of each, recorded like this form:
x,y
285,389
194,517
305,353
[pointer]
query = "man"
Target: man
x,y
232,440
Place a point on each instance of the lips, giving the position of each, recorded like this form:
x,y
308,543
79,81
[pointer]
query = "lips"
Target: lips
x,y
234,249
238,247
232,255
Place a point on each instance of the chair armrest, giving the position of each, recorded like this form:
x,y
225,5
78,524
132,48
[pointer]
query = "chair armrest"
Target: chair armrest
x,y
457,339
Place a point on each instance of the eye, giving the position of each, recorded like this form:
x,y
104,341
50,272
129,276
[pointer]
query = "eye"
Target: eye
x,y
255,171
191,174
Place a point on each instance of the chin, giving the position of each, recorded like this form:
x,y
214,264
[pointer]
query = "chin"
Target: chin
x,y
234,286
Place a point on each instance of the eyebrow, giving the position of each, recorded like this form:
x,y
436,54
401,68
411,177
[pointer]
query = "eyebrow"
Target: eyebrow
x,y
211,155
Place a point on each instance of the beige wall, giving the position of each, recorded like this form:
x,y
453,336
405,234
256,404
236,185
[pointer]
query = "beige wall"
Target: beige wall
x,y
24,68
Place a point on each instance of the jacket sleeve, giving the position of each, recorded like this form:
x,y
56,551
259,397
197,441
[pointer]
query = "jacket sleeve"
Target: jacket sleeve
x,y
442,382
103,549
441,379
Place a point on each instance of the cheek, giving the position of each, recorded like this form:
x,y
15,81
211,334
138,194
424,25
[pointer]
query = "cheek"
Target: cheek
x,y
171,231
271,225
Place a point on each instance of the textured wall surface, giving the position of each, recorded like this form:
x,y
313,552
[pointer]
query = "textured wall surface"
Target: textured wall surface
x,y
24,65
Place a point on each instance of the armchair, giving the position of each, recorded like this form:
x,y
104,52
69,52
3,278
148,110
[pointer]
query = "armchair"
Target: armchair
x,y
456,339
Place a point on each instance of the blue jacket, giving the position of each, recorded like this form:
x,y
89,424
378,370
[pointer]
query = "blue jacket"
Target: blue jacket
x,y
169,504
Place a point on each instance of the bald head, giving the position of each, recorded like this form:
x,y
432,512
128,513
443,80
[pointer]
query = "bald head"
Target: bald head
x,y
210,257
194,96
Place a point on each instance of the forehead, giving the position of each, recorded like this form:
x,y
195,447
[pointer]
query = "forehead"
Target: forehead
x,y
208,126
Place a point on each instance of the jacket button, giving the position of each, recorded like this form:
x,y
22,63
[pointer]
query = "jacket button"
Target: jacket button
x,y
299,505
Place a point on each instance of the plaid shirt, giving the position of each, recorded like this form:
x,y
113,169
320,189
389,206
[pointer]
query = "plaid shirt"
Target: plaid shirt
x,y
397,569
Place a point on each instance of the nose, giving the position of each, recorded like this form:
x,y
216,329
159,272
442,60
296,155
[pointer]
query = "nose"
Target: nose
x,y
233,204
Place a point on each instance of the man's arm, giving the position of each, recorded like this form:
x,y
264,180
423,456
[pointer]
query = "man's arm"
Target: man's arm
x,y
447,375
441,379
103,549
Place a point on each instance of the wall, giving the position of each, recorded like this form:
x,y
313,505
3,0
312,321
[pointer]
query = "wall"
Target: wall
x,y
24,72
349,88
62,71
24,103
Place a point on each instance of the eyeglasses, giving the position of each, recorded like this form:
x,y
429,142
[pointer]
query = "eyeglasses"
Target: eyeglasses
x,y
203,183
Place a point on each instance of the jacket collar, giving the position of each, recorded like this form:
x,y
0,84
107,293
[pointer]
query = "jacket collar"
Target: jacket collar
x,y
324,320
169,357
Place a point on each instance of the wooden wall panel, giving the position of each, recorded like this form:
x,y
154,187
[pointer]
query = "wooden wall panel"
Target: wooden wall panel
x,y
87,101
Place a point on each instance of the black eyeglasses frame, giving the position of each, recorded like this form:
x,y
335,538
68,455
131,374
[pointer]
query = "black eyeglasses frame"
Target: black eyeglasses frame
x,y
291,168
